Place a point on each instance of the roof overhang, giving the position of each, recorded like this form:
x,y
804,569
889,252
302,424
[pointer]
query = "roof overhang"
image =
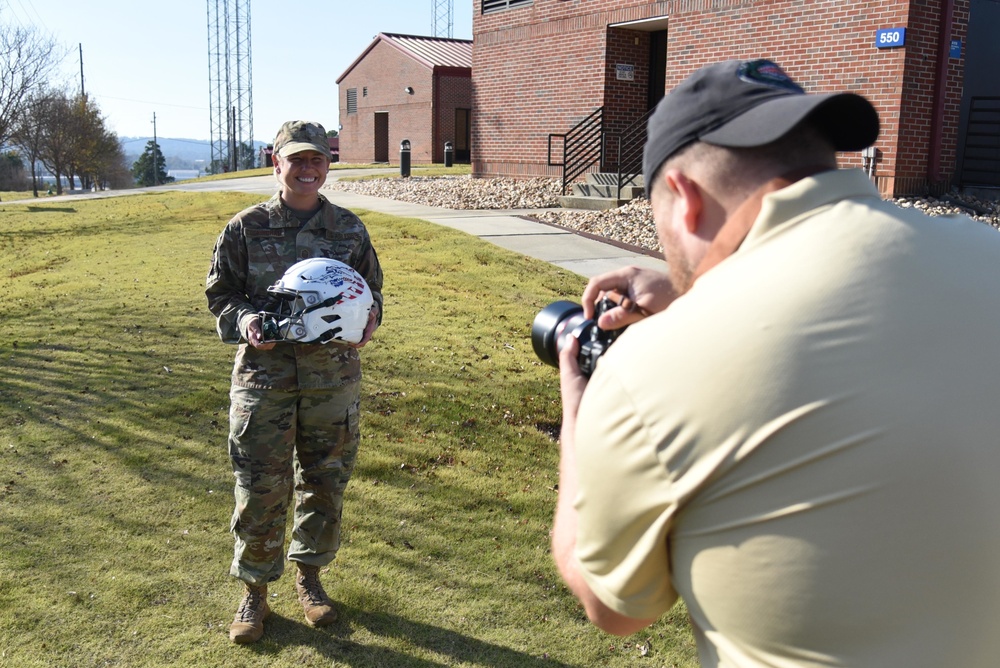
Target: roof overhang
x,y
412,54
643,25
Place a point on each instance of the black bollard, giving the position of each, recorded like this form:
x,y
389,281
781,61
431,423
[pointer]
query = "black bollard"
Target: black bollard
x,y
449,154
404,158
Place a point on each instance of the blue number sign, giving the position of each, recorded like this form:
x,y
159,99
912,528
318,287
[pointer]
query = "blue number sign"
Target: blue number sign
x,y
887,38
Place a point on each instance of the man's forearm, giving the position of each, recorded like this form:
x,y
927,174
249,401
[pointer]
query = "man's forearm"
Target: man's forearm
x,y
564,529
564,523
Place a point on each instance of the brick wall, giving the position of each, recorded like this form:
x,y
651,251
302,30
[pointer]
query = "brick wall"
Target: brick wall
x,y
454,92
624,100
927,145
535,70
539,69
386,71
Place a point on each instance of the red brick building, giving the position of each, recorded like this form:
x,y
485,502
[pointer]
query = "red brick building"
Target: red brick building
x,y
407,87
540,66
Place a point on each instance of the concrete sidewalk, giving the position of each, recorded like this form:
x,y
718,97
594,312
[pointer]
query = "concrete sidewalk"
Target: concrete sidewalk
x,y
583,255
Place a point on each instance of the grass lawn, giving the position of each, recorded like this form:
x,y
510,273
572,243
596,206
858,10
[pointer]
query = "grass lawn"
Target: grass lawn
x,y
10,195
116,491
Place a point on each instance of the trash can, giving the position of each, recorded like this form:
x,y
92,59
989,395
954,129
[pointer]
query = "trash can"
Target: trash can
x,y
449,154
404,158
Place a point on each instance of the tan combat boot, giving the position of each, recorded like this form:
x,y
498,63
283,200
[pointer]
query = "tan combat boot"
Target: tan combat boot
x,y
248,626
316,604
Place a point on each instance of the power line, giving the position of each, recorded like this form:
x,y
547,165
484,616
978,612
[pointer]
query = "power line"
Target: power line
x,y
14,14
37,15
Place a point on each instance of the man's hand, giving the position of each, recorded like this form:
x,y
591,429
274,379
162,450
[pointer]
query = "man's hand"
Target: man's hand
x,y
638,293
369,328
572,383
255,337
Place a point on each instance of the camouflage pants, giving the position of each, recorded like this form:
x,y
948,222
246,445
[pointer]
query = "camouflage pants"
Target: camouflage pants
x,y
280,442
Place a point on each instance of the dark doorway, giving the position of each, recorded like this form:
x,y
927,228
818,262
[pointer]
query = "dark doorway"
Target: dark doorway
x,y
979,126
657,67
462,135
381,136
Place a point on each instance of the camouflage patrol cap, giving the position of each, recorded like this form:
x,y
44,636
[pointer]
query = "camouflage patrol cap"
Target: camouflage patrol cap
x,y
296,136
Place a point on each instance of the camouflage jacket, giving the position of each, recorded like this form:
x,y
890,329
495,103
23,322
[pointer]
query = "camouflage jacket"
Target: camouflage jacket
x,y
251,254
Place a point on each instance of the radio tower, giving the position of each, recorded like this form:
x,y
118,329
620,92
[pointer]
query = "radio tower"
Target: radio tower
x,y
230,95
444,18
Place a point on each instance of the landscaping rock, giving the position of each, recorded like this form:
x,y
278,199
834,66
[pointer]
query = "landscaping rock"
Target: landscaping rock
x,y
630,224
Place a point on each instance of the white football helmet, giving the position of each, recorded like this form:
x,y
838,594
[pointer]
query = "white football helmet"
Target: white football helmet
x,y
318,300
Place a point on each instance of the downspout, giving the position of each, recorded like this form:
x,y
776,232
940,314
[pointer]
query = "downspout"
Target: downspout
x,y
941,90
435,107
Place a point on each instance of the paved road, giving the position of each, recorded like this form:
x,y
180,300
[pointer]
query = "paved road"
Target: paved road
x,y
586,256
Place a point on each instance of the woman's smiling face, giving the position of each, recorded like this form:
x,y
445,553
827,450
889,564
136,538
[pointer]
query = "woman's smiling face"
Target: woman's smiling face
x,y
301,175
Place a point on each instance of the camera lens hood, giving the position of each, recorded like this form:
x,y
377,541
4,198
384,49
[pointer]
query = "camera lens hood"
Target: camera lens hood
x,y
549,325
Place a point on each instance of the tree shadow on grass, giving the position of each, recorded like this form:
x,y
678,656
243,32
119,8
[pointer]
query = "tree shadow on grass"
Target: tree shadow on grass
x,y
335,643
50,209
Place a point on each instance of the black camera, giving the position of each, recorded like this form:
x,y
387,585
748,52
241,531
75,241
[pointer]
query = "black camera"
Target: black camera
x,y
560,320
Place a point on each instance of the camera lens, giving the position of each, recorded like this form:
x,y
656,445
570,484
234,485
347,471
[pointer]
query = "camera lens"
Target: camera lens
x,y
552,326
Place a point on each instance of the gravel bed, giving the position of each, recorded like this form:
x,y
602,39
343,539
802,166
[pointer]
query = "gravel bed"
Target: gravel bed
x,y
460,192
630,224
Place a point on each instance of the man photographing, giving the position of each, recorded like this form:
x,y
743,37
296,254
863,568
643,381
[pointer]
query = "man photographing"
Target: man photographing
x,y
801,440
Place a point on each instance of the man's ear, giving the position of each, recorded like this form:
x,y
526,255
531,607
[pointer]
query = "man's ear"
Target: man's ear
x,y
687,199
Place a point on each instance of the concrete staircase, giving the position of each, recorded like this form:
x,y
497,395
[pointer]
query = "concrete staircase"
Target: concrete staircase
x,y
600,192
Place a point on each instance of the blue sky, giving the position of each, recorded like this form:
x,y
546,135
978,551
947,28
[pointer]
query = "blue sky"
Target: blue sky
x,y
141,58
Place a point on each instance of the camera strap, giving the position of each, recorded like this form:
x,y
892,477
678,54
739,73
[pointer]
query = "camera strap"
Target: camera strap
x,y
736,228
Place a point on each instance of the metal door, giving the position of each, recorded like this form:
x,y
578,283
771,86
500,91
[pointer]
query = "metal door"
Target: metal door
x,y
381,136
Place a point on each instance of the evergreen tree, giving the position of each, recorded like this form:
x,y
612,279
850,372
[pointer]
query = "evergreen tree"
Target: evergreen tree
x,y
151,167
12,174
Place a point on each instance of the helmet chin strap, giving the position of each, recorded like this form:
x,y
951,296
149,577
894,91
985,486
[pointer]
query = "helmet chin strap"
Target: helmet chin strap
x,y
329,334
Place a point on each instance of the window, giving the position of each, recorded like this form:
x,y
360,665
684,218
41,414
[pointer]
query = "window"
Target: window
x,y
364,92
352,100
500,5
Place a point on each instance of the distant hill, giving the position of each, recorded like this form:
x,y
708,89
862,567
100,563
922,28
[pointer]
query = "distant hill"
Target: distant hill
x,y
179,153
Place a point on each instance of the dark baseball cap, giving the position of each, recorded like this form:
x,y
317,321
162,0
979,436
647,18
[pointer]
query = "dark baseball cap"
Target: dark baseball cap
x,y
297,136
747,103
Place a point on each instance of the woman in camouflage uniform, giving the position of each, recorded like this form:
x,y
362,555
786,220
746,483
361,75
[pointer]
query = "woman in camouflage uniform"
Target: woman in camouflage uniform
x,y
293,407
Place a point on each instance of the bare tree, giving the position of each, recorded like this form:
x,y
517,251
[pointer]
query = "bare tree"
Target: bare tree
x,y
57,137
29,130
26,61
69,136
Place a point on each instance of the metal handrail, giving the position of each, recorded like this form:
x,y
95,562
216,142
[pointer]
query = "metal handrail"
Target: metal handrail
x,y
583,147
630,146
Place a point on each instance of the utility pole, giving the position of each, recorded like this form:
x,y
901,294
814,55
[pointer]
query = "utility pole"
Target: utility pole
x,y
156,163
83,93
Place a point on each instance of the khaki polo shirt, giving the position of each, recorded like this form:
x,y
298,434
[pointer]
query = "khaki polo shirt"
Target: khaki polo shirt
x,y
805,447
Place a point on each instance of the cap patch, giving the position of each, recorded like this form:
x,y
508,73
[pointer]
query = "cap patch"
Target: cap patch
x,y
766,73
